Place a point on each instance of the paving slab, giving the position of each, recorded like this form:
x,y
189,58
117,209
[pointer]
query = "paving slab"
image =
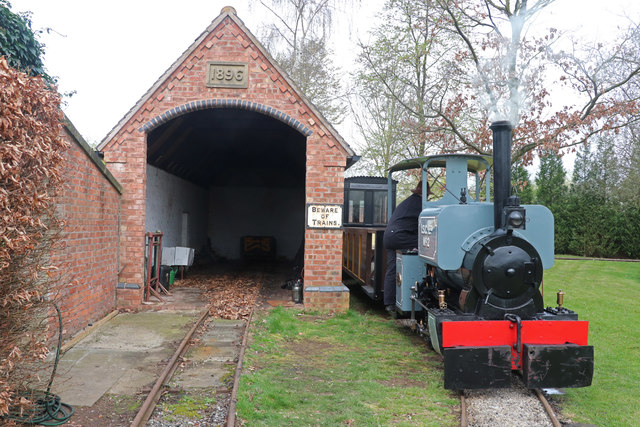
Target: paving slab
x,y
122,356
202,376
212,358
89,378
179,299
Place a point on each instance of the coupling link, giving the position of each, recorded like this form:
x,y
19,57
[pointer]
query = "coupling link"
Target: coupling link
x,y
514,318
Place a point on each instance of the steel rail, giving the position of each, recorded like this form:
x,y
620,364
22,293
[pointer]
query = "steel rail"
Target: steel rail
x,y
463,410
152,399
231,412
547,407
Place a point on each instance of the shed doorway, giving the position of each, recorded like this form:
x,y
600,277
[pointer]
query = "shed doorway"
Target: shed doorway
x,y
217,176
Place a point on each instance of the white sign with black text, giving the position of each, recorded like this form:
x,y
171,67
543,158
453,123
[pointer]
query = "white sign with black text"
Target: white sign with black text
x,y
324,216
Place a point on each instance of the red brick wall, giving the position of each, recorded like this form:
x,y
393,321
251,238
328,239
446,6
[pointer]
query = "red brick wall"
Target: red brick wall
x,y
125,149
90,206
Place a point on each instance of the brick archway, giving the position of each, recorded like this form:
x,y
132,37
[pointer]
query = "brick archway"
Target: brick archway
x,y
224,103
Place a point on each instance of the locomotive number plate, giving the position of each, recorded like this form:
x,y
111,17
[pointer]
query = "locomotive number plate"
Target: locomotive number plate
x,y
227,74
428,241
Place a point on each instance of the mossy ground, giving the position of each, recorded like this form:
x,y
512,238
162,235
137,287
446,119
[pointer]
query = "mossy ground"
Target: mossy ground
x,y
186,404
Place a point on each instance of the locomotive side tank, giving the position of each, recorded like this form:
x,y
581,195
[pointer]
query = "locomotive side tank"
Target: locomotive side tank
x,y
479,298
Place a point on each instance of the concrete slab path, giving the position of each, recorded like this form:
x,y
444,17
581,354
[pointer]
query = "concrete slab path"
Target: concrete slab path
x,y
213,358
122,356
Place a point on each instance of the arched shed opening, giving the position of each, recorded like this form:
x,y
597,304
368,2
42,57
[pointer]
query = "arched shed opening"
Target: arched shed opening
x,y
218,175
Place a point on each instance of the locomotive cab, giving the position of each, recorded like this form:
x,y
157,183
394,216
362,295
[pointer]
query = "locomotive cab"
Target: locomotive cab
x,y
460,186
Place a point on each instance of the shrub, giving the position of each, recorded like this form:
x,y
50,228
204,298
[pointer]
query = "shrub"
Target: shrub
x,y
31,155
589,224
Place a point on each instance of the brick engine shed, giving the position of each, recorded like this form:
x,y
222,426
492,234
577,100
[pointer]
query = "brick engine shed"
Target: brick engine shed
x,y
222,146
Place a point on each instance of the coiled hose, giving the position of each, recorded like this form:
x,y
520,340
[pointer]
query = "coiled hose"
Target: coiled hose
x,y
47,408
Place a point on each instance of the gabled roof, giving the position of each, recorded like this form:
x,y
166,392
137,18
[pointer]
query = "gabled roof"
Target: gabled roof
x,y
226,12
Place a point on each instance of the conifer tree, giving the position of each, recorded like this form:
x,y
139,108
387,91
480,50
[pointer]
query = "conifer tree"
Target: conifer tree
x,y
522,183
551,189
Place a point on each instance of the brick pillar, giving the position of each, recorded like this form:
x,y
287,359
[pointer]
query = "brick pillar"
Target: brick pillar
x,y
323,288
127,162
128,296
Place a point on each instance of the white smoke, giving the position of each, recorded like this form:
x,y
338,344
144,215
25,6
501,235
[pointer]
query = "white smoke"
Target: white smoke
x,y
500,78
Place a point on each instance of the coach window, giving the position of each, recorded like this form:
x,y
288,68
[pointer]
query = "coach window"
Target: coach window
x,y
356,207
380,207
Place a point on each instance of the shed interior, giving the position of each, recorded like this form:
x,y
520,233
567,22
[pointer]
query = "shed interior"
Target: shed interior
x,y
215,176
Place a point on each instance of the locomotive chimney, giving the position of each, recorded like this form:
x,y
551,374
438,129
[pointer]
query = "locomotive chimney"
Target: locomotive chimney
x,y
501,168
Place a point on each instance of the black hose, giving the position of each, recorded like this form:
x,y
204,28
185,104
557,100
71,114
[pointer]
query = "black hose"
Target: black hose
x,y
47,409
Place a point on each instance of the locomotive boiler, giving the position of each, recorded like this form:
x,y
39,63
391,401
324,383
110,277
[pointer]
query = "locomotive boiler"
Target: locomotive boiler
x,y
473,286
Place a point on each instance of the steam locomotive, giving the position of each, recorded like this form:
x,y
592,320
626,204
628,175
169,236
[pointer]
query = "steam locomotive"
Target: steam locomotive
x,y
473,286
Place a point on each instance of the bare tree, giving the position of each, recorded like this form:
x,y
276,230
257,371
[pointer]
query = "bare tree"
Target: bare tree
x,y
298,39
492,33
379,118
612,89
465,63
405,69
597,71
501,68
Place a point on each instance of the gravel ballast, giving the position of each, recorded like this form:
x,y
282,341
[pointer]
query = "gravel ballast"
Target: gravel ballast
x,y
515,407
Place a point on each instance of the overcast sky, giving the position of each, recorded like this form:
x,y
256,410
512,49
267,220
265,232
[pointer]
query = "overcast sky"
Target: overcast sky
x,y
112,52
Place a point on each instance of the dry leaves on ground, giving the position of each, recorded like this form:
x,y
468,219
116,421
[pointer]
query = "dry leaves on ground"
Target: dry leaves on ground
x,y
231,295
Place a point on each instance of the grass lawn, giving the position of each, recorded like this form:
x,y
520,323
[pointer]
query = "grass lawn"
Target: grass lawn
x,y
352,369
361,369
607,294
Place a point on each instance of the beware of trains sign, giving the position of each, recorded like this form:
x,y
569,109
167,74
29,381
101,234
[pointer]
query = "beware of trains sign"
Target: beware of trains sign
x,y
324,216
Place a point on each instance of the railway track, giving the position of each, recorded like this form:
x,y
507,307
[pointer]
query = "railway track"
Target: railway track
x,y
154,395
516,406
146,411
